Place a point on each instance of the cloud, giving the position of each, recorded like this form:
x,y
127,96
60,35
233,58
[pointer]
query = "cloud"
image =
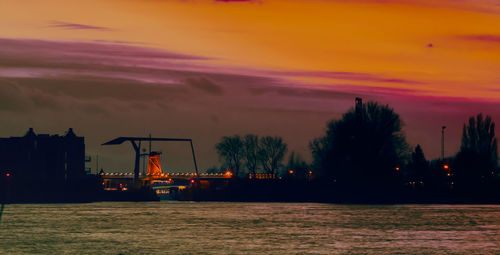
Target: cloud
x,y
351,76
37,58
23,52
116,42
303,93
67,25
382,91
109,78
481,38
205,85
109,90
58,94
230,1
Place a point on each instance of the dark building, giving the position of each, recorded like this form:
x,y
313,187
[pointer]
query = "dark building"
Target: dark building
x,y
33,164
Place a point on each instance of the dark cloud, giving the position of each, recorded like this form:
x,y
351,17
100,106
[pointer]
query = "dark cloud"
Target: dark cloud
x,y
206,86
91,88
67,25
12,97
86,96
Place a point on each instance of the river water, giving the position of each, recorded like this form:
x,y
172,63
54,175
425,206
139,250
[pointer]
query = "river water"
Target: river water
x,y
248,228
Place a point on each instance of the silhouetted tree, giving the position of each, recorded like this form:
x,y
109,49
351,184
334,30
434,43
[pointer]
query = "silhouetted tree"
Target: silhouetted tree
x,y
299,167
366,145
251,152
230,151
271,153
418,165
437,180
478,157
215,170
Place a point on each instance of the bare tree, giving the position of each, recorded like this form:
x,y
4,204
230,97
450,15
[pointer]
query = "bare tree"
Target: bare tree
x,y
251,152
230,149
271,153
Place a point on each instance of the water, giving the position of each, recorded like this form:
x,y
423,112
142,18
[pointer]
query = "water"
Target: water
x,y
249,228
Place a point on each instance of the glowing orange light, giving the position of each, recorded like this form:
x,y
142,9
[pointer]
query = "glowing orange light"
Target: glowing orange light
x,y
154,164
397,168
228,173
291,171
446,167
449,174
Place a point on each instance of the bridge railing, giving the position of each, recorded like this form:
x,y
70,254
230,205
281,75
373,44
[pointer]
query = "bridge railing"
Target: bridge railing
x,y
166,175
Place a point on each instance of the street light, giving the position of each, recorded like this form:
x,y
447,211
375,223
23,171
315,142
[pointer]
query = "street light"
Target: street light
x,y
442,142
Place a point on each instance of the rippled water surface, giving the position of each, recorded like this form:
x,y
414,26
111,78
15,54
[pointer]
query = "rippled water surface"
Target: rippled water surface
x,y
249,228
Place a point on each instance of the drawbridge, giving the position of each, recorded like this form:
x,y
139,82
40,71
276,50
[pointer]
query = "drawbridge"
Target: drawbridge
x,y
154,165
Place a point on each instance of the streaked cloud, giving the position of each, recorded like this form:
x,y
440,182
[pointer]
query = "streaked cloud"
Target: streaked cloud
x,y
67,25
352,76
229,1
482,38
38,59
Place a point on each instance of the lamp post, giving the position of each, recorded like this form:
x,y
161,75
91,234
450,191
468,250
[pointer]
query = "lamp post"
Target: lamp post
x,y
442,142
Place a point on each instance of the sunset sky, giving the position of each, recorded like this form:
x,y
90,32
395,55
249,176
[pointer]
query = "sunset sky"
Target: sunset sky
x,y
204,69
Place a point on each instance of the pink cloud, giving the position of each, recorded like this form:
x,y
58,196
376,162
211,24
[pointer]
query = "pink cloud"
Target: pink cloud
x,y
352,76
483,38
228,1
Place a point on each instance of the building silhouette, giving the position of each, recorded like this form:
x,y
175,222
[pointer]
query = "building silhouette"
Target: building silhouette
x,y
40,163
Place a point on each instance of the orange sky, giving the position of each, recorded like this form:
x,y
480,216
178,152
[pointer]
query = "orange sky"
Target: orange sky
x,y
348,36
291,64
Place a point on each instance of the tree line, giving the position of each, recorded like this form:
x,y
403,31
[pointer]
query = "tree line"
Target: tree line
x,y
367,147
251,153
